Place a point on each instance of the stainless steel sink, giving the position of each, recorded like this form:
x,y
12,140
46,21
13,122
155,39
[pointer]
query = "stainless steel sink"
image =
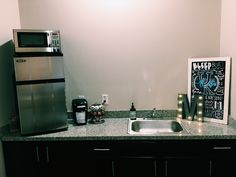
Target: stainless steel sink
x,y
143,126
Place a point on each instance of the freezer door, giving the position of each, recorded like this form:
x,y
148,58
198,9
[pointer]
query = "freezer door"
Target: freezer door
x,y
41,107
38,68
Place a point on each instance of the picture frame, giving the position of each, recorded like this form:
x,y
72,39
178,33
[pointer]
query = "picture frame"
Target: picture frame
x,y
210,77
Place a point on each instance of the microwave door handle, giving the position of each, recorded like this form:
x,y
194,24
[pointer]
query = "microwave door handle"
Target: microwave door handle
x,y
49,40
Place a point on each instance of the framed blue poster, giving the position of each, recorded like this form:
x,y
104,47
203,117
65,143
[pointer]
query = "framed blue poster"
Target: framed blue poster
x,y
210,77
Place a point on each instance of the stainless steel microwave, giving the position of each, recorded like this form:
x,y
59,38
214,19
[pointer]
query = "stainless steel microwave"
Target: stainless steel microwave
x,y
33,40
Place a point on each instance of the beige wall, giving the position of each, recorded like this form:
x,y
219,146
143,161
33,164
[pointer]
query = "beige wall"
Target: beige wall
x,y
9,15
9,19
133,50
228,43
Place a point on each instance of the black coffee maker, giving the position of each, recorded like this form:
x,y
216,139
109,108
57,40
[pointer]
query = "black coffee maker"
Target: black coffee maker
x,y
80,110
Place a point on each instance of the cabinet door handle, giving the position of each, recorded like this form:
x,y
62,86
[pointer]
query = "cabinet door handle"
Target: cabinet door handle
x,y
155,168
166,168
101,150
37,153
47,155
113,168
210,168
222,148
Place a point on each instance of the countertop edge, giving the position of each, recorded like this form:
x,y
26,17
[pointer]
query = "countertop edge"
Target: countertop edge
x,y
116,129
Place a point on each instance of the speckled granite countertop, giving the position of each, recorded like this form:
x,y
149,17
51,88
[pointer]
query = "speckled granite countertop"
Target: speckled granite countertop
x,y
116,129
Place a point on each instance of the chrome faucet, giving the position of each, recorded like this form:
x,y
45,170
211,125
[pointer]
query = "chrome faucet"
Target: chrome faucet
x,y
154,113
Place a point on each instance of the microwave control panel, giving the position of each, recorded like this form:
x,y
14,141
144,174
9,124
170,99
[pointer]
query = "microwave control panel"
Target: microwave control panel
x,y
55,38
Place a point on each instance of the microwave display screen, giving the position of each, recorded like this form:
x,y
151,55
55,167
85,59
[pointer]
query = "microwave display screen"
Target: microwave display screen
x,y
32,39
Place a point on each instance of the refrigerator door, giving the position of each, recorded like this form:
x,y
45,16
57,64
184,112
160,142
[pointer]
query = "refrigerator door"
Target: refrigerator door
x,y
42,107
38,68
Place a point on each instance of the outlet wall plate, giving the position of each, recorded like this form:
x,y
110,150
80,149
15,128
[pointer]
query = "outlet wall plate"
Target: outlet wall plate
x,y
105,98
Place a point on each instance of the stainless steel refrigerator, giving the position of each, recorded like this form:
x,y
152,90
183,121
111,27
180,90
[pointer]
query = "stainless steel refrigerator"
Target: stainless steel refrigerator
x,y
40,90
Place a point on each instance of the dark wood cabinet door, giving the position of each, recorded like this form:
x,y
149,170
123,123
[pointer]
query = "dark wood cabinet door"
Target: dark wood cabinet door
x,y
135,166
135,158
79,159
185,166
21,159
223,158
222,167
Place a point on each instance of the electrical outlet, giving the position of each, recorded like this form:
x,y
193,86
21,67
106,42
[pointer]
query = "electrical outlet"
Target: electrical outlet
x,y
105,98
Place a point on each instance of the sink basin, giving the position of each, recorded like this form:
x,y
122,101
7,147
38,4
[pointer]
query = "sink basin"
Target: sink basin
x,y
143,126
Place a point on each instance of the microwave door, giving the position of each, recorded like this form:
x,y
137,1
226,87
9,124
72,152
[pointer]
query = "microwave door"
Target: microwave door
x,y
32,41
41,107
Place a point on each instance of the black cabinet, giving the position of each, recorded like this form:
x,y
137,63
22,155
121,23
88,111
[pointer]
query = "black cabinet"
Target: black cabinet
x,y
26,159
80,158
131,166
223,159
135,158
161,158
185,158
187,166
61,159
